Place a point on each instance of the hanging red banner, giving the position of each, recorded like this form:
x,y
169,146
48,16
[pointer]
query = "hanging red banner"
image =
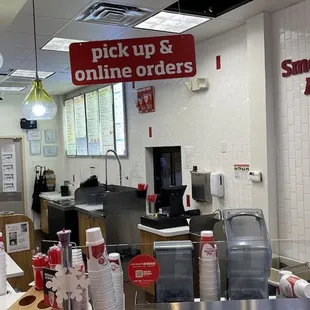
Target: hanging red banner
x,y
128,60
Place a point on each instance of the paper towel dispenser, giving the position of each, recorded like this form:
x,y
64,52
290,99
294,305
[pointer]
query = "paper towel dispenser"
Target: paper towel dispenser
x,y
201,190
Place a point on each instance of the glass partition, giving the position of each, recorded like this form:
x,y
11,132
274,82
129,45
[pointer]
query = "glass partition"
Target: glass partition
x,y
178,274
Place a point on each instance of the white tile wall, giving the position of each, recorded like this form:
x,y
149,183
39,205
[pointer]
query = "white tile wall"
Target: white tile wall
x,y
291,34
202,120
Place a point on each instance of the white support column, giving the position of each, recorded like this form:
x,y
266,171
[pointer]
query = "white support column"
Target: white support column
x,y
262,118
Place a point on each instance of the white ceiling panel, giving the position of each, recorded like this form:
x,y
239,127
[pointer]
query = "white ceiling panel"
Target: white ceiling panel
x,y
152,4
255,7
13,39
89,32
56,8
8,11
59,84
213,28
52,56
140,33
15,53
45,26
43,66
9,65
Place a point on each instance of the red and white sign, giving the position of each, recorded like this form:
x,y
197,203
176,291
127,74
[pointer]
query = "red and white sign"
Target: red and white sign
x,y
128,60
143,270
146,99
290,68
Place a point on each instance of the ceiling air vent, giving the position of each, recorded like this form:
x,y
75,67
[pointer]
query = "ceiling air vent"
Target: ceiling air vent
x,y
114,14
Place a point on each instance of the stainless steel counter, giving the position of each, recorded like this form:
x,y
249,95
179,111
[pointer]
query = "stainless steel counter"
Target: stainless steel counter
x,y
271,304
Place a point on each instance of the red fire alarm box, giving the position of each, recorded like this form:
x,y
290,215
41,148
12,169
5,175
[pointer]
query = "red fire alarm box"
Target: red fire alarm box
x,y
146,99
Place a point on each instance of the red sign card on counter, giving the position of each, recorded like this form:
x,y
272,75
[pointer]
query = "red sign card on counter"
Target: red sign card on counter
x,y
128,60
143,270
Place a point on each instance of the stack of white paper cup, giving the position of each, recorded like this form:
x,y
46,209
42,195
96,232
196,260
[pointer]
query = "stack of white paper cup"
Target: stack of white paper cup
x,y
99,271
118,279
78,264
209,273
3,288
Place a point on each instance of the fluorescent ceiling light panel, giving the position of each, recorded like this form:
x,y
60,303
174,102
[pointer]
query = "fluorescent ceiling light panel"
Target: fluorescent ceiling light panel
x,y
172,22
32,74
12,88
59,44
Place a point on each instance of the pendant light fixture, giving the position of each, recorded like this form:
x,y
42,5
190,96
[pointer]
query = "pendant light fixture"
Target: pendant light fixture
x,y
38,105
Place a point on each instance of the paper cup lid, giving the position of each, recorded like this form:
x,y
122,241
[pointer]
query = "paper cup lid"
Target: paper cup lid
x,y
93,234
206,233
114,256
307,291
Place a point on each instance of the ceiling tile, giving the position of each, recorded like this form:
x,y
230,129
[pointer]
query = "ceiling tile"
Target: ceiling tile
x,y
152,4
140,33
24,40
15,53
59,84
52,56
255,7
45,26
9,65
89,32
56,8
43,66
8,12
213,28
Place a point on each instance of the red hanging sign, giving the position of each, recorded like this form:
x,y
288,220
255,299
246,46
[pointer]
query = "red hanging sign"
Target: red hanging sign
x,y
146,99
143,270
128,60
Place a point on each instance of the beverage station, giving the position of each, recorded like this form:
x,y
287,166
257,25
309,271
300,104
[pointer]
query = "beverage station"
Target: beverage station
x,y
226,267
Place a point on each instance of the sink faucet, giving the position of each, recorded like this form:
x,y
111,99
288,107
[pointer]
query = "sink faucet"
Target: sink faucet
x,y
106,168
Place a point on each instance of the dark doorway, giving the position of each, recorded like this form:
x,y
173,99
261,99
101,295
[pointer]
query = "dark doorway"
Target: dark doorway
x,y
167,167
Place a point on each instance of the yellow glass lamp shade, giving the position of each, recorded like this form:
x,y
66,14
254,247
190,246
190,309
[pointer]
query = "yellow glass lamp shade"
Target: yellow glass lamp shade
x,y
39,105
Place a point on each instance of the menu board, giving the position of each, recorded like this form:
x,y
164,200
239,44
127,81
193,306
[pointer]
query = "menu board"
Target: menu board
x,y
70,128
96,122
106,119
80,126
119,119
92,121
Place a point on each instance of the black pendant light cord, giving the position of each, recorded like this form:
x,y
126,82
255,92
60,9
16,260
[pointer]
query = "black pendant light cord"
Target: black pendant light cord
x,y
35,38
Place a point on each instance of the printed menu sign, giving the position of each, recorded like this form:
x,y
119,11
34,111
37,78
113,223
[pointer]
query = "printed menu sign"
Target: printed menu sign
x,y
80,126
17,237
92,120
70,128
9,177
106,119
119,117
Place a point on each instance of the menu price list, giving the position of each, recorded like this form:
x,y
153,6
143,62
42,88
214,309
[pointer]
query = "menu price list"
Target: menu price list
x,y
70,128
96,122
106,119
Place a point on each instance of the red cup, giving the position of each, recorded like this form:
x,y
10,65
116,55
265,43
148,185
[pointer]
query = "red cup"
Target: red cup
x,y
207,248
38,278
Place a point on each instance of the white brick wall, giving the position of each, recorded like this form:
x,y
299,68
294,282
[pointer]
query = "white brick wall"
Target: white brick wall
x,y
201,120
291,34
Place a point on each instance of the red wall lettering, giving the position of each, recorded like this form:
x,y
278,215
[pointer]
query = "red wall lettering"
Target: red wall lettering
x,y
218,62
285,66
290,68
307,90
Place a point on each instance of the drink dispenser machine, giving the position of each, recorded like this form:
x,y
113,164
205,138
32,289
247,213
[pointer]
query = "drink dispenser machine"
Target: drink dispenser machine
x,y
175,283
248,254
